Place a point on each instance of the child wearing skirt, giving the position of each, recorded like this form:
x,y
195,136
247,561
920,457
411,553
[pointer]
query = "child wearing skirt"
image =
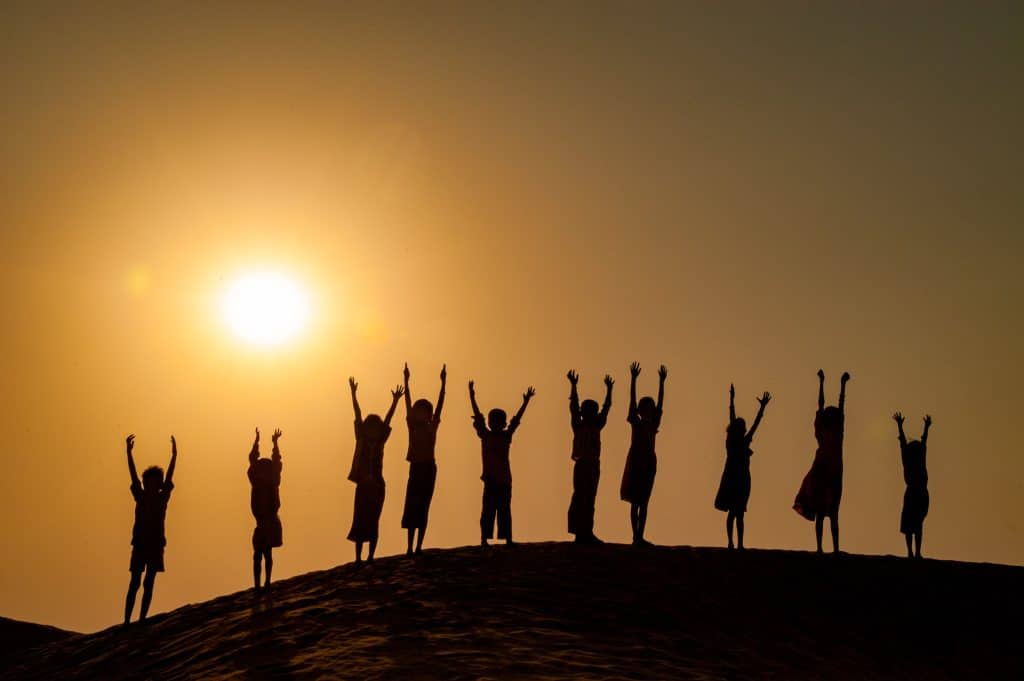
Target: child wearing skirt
x,y
423,421
641,461
265,501
734,489
915,475
368,472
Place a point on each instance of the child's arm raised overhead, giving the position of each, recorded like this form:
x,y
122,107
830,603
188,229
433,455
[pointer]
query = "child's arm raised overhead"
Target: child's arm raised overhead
x,y
276,454
732,403
898,418
842,391
763,401
821,390
254,453
574,396
396,394
662,375
169,480
606,407
514,423
440,394
927,425
408,393
634,371
353,386
129,443
472,402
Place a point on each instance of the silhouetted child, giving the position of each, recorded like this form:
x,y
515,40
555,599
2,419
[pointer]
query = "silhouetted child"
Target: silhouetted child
x,y
423,421
495,441
587,423
148,540
822,487
265,500
915,474
734,489
368,472
641,461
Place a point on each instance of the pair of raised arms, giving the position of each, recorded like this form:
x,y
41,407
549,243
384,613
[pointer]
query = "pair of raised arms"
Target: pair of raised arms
x,y
255,452
130,445
898,418
842,389
397,393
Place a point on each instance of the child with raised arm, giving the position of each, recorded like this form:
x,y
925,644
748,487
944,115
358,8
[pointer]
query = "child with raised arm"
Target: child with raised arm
x,y
368,472
423,420
734,489
587,423
915,474
495,441
264,501
822,487
148,540
641,461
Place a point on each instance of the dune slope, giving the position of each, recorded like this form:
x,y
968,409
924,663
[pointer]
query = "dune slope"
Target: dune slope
x,y
555,610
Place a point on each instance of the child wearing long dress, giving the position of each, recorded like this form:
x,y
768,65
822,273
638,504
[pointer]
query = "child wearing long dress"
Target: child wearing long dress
x,y
915,474
641,462
734,488
423,421
587,423
265,501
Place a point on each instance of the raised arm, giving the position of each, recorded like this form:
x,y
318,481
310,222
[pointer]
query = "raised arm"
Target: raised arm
x,y
129,444
168,480
606,407
527,396
842,391
763,401
472,402
898,418
254,453
927,425
634,372
821,390
276,454
574,395
732,403
353,386
396,395
662,375
440,394
408,393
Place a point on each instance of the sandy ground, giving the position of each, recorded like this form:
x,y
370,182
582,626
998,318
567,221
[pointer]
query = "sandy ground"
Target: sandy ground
x,y
558,611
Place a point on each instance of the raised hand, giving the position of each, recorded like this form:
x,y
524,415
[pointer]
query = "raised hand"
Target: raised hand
x,y
397,392
662,372
174,445
763,400
634,369
352,383
530,392
609,381
405,372
732,391
821,374
573,377
898,418
927,421
846,376
277,435
444,373
257,440
129,442
472,387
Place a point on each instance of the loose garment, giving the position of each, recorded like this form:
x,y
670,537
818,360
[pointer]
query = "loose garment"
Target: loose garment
x,y
148,540
915,498
265,501
734,488
368,473
641,460
586,472
822,487
419,490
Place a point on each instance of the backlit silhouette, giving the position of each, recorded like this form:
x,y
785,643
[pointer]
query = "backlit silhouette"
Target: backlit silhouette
x,y
264,501
148,540
822,487
915,473
641,461
587,423
734,489
495,442
367,472
423,420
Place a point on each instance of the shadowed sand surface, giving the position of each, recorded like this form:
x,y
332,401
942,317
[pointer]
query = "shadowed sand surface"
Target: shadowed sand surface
x,y
558,611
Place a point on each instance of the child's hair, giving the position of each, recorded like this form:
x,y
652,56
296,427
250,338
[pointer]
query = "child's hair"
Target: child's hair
x,y
737,429
588,410
646,407
831,417
497,419
915,447
264,470
153,477
373,426
422,410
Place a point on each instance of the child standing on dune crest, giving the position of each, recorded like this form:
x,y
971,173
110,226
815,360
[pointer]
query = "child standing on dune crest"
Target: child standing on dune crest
x,y
587,424
148,540
264,501
495,441
641,461
368,472
423,421
734,489
915,475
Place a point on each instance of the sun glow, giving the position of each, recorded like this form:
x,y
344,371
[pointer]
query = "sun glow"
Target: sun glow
x,y
265,308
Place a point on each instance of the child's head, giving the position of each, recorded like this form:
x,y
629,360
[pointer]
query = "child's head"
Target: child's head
x,y
588,410
915,448
263,471
497,419
736,430
421,410
373,427
646,408
153,479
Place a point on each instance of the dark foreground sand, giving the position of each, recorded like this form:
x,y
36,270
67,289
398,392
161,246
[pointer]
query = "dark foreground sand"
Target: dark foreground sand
x,y
557,611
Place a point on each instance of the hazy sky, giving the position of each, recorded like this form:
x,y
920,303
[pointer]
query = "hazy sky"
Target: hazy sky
x,y
743,191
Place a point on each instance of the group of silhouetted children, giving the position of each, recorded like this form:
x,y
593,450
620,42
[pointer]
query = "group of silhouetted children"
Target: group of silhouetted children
x,y
817,499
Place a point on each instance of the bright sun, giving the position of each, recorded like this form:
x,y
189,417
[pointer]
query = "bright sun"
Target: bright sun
x,y
265,308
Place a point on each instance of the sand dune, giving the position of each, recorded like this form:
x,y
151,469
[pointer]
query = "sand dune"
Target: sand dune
x,y
558,611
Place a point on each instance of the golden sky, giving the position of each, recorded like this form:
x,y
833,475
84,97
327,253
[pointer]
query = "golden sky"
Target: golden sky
x,y
745,193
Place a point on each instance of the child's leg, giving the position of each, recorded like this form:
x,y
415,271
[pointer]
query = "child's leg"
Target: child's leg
x,y
641,521
359,552
410,532
910,548
268,562
505,514
819,523
729,520
256,554
419,539
373,549
133,589
633,519
917,541
739,529
147,592
487,515
835,531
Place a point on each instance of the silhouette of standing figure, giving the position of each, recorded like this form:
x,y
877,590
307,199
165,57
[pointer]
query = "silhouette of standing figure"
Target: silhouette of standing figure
x,y
264,501
495,442
587,423
368,472
148,540
915,474
641,461
423,421
734,489
822,487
